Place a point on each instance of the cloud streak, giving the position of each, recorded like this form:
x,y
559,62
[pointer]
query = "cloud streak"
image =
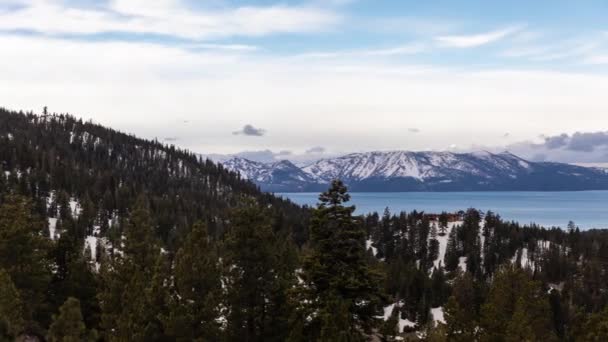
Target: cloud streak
x,y
166,17
133,86
478,39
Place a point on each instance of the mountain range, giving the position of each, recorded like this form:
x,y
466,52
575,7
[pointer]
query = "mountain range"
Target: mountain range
x,y
422,171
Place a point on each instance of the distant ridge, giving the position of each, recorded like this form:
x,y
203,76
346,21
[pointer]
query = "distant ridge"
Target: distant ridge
x,y
422,171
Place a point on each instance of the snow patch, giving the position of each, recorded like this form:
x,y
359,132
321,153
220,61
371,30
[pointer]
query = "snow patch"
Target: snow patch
x,y
438,315
91,243
368,246
443,243
462,263
75,208
388,311
53,228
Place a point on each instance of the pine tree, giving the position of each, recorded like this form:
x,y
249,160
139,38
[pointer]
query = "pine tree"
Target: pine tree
x,y
452,253
336,270
439,287
387,236
516,304
443,223
258,274
336,322
433,245
595,328
68,326
24,255
390,328
127,297
11,308
460,310
196,299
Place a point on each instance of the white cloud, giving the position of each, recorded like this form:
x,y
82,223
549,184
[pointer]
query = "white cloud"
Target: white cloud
x,y
555,51
226,47
410,49
406,49
166,17
150,90
474,40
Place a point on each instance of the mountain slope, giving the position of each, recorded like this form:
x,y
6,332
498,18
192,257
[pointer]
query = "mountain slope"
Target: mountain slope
x,y
58,159
275,177
426,171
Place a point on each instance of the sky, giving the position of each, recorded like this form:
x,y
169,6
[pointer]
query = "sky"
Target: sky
x,y
306,79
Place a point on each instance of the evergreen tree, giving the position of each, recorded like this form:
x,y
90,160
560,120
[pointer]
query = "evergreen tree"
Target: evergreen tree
x,y
516,305
127,297
195,303
336,271
390,328
439,287
258,274
11,309
24,256
68,326
452,253
460,310
433,244
595,328
443,223
386,242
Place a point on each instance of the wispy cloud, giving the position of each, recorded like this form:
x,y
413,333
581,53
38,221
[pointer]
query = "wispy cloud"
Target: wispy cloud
x,y
555,51
166,17
478,39
589,48
406,49
224,47
133,85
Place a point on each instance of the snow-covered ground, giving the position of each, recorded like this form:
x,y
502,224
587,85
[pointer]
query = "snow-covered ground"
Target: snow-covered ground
x,y
53,234
388,310
462,263
443,243
436,313
368,246
438,316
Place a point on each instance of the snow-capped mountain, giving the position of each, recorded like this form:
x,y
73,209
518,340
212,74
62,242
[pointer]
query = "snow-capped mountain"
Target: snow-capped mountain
x,y
275,177
421,166
422,171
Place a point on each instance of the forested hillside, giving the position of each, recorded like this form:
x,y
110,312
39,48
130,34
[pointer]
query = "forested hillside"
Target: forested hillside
x,y
481,278
58,159
107,237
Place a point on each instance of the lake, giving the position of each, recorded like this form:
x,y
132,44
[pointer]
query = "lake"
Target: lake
x,y
588,209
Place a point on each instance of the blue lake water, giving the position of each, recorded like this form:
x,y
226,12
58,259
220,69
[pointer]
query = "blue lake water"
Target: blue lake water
x,y
588,209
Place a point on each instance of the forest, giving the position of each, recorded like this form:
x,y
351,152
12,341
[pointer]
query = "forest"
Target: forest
x,y
108,237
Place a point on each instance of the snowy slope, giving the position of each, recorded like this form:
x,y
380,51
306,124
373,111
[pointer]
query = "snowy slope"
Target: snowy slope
x,y
422,171
418,165
279,176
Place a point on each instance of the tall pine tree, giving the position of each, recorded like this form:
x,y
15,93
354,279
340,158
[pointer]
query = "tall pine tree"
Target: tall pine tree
x,y
24,255
258,274
195,301
68,326
336,274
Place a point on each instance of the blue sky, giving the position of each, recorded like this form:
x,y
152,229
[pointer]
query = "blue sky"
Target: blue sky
x,y
327,76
